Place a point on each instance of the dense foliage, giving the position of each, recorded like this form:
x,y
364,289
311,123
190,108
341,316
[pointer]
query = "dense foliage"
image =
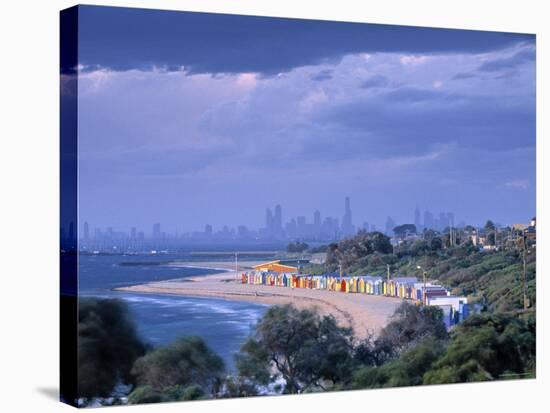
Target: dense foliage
x,y
185,370
308,351
487,347
108,345
353,253
409,325
298,350
484,347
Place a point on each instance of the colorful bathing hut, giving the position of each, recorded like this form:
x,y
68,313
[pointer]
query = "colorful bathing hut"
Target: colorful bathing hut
x,y
274,273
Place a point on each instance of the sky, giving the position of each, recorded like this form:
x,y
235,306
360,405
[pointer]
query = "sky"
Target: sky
x,y
194,118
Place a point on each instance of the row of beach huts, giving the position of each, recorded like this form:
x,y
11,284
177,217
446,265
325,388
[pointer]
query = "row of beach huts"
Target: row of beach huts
x,y
455,309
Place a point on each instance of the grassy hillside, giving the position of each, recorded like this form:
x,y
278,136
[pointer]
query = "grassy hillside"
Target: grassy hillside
x,y
493,279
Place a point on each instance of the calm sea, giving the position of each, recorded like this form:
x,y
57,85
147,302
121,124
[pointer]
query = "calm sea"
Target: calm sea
x,y
160,319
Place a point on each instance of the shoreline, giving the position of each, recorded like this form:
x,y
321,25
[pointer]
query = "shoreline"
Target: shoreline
x,y
364,313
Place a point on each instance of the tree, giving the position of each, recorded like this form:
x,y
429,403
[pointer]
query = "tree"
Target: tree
x,y
436,244
404,230
487,347
419,247
410,324
297,246
489,226
380,243
108,345
308,351
407,370
180,371
352,251
147,394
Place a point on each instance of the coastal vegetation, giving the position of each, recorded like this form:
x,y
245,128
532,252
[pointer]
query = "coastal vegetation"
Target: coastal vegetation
x,y
298,351
492,279
295,350
185,370
309,352
108,346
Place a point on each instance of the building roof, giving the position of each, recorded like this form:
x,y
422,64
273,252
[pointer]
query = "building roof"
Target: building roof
x,y
275,266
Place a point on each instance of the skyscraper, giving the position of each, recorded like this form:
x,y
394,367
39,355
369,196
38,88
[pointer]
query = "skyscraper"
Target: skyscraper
x,y
451,216
156,231
316,224
347,223
291,229
268,222
86,232
417,221
390,225
443,221
278,222
329,229
429,220
317,218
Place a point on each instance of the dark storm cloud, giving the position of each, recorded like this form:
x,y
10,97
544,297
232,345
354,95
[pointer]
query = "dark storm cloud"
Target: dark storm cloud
x,y
463,75
375,81
413,94
506,63
125,38
322,75
409,121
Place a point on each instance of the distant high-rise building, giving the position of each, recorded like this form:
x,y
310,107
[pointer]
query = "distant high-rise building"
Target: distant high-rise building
x,y
208,230
443,221
278,222
390,225
156,231
417,221
451,217
133,233
317,224
86,232
242,231
429,222
330,228
301,226
269,222
291,229
347,222
278,217
317,219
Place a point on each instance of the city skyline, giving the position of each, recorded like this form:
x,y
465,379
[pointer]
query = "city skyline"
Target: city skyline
x,y
318,228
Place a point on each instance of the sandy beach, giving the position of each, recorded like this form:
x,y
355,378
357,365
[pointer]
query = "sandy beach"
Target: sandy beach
x,y
365,313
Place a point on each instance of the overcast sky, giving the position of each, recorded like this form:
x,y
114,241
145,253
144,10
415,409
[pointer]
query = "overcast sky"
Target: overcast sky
x,y
187,119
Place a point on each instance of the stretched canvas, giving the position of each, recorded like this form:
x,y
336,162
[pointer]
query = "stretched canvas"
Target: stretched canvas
x,y
256,206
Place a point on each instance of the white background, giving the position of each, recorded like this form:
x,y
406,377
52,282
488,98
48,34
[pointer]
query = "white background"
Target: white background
x,y
29,121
